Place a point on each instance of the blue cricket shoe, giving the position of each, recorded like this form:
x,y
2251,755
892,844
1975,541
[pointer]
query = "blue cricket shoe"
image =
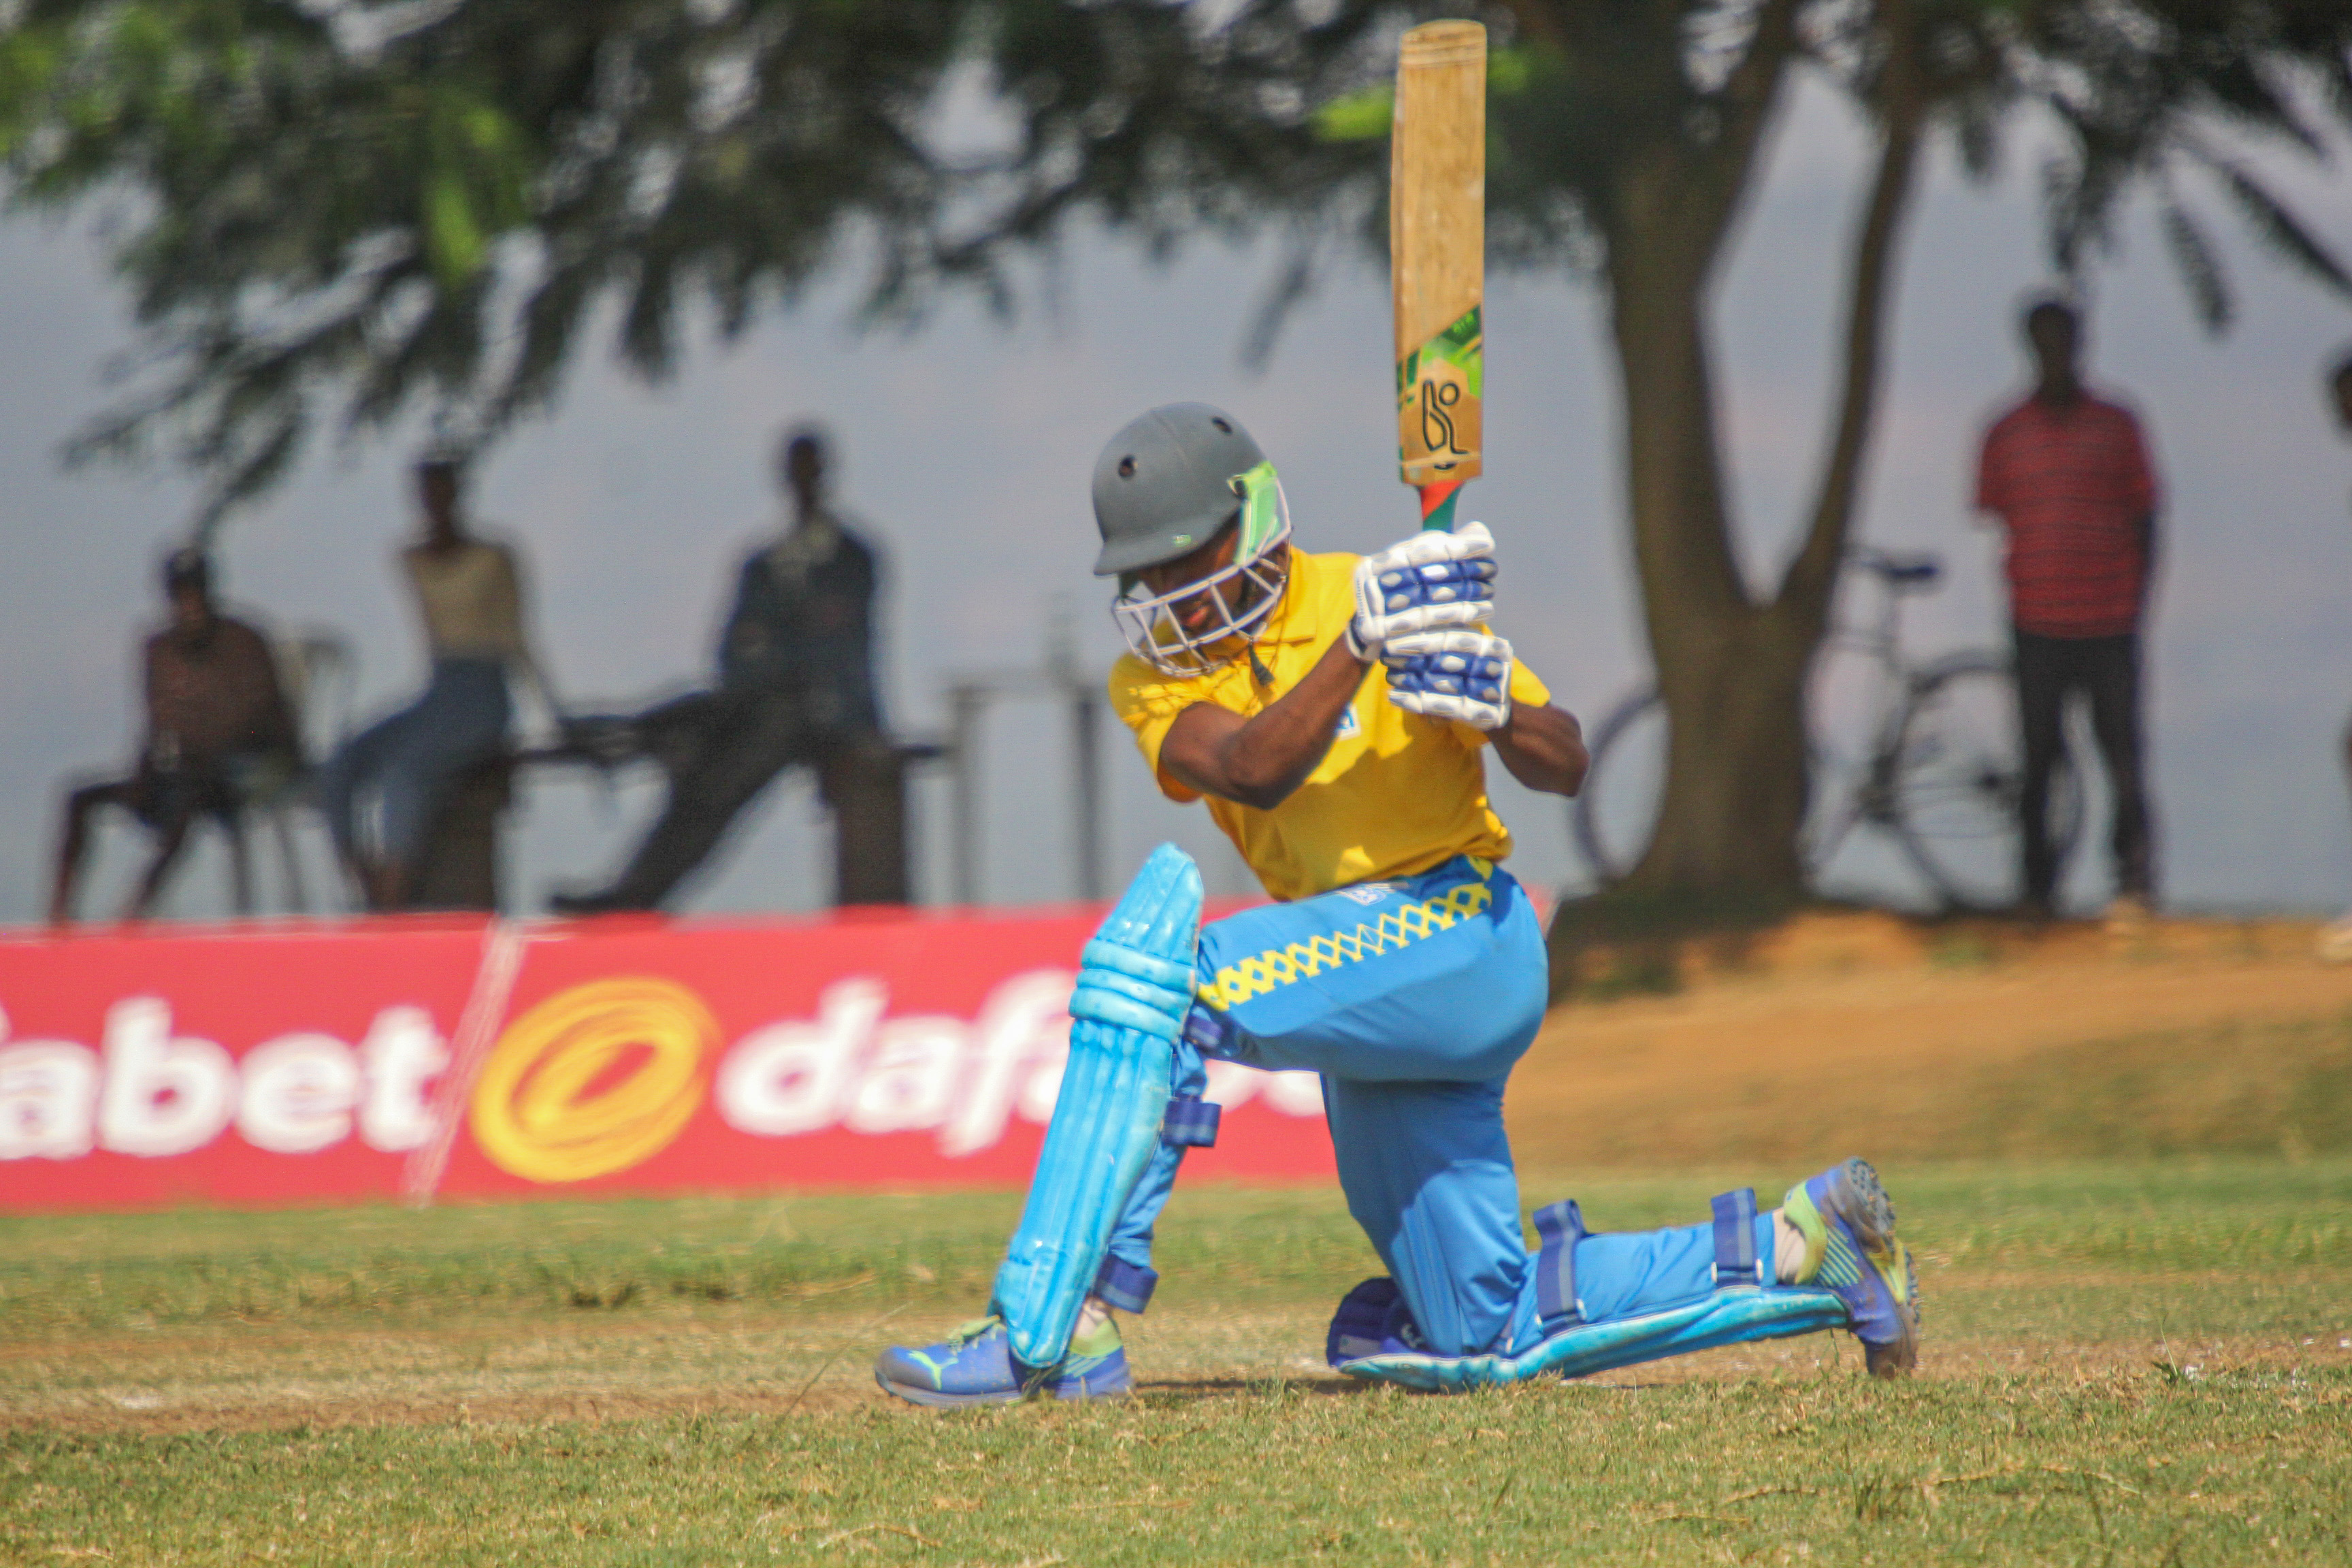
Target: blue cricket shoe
x,y
1372,1319
975,1365
1848,1223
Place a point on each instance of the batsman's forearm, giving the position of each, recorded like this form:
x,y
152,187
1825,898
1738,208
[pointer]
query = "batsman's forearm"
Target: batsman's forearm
x,y
1261,760
1271,754
1543,747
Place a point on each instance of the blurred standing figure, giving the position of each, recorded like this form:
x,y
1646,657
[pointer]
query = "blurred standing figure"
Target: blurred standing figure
x,y
218,734
795,684
2335,941
2067,474
469,596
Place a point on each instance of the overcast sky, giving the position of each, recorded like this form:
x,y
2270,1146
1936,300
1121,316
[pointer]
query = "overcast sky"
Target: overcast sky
x,y
968,449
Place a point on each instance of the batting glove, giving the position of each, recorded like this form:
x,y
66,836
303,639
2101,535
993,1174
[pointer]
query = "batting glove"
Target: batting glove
x,y
1452,674
1431,579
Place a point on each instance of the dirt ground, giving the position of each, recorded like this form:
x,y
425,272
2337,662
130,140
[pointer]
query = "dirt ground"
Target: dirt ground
x,y
1940,1041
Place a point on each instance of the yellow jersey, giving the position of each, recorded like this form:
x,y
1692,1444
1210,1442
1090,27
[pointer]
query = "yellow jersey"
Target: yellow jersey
x,y
1397,794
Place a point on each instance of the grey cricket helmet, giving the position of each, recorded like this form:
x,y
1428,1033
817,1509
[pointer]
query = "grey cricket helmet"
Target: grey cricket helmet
x,y
1164,485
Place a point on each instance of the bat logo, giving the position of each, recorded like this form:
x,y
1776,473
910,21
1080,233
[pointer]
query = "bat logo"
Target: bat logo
x,y
1438,404
1438,434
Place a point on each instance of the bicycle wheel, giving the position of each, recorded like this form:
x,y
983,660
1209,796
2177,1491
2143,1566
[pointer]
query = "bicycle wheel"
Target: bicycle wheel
x,y
1956,779
1617,810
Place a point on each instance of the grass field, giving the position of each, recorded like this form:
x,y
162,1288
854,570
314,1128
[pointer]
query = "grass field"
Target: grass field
x,y
2128,1362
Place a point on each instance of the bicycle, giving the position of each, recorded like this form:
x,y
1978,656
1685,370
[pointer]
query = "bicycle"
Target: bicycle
x,y
1940,771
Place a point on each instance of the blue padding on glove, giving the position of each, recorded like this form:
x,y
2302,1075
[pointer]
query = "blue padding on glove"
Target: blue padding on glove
x,y
1719,1318
1479,678
1470,582
1191,1124
1124,1285
1134,989
1735,1238
1560,1227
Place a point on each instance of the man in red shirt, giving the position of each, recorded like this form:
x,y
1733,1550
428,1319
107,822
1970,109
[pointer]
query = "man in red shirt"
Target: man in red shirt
x,y
2068,475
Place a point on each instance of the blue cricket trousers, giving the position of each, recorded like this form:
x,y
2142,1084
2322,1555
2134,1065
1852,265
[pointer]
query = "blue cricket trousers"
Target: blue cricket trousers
x,y
1413,999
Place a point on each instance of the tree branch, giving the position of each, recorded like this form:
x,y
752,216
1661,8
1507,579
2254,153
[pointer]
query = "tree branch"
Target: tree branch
x,y
1754,85
1805,588
1747,98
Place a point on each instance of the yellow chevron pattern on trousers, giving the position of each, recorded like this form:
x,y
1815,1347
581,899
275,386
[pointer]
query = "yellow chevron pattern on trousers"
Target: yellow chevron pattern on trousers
x,y
1276,967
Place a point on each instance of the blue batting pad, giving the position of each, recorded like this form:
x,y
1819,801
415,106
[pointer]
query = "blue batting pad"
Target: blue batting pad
x,y
1135,986
1720,1318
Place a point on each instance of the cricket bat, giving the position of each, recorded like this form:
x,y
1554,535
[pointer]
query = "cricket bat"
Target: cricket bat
x,y
1437,258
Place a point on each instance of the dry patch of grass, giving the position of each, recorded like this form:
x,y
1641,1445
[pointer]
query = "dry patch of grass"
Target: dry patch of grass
x,y
1913,1040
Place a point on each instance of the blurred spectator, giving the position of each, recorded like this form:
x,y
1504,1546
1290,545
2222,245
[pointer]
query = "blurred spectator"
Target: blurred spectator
x,y
2335,941
2067,474
218,735
469,596
795,686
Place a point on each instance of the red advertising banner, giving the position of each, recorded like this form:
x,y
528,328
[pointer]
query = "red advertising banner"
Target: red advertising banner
x,y
374,1058
261,1064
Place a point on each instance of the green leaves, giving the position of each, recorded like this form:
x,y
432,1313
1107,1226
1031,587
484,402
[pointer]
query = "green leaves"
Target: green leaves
x,y
29,58
2199,265
2141,91
1364,115
475,169
357,210
2282,231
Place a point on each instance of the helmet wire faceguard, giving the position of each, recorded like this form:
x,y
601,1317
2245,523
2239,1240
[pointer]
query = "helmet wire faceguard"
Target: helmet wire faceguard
x,y
1149,622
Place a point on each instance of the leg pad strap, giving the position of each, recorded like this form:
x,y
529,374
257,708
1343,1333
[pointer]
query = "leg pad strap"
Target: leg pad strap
x,y
1191,1123
1735,1238
1211,1033
1560,1227
1125,1285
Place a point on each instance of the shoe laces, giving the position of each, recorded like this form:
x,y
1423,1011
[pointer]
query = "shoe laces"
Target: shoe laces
x,y
963,1334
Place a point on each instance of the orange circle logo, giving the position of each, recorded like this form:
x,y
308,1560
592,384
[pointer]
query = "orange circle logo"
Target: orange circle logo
x,y
593,1079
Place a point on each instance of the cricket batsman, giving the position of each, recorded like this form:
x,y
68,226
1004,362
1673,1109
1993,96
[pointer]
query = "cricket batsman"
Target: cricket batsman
x,y
1334,712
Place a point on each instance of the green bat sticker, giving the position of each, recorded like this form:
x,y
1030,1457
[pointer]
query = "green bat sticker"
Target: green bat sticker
x,y
1440,388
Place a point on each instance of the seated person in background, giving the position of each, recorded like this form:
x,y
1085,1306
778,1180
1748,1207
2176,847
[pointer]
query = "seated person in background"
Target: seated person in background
x,y
219,733
470,598
795,684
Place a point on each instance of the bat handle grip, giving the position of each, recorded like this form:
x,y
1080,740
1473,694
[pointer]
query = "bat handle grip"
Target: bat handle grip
x,y
1437,504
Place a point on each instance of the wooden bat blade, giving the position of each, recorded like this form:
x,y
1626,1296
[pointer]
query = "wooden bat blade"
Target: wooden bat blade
x,y
1437,253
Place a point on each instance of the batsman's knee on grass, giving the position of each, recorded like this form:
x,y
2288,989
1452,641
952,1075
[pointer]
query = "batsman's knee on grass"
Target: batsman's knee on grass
x,y
1398,960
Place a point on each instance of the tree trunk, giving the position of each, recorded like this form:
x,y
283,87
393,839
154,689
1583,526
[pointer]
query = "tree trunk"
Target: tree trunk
x,y
1732,671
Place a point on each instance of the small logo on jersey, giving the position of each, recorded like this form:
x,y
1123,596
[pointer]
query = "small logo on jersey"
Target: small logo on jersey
x,y
1347,728
1368,893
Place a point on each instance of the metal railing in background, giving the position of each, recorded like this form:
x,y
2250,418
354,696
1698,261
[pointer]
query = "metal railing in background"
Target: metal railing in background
x,y
1061,677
